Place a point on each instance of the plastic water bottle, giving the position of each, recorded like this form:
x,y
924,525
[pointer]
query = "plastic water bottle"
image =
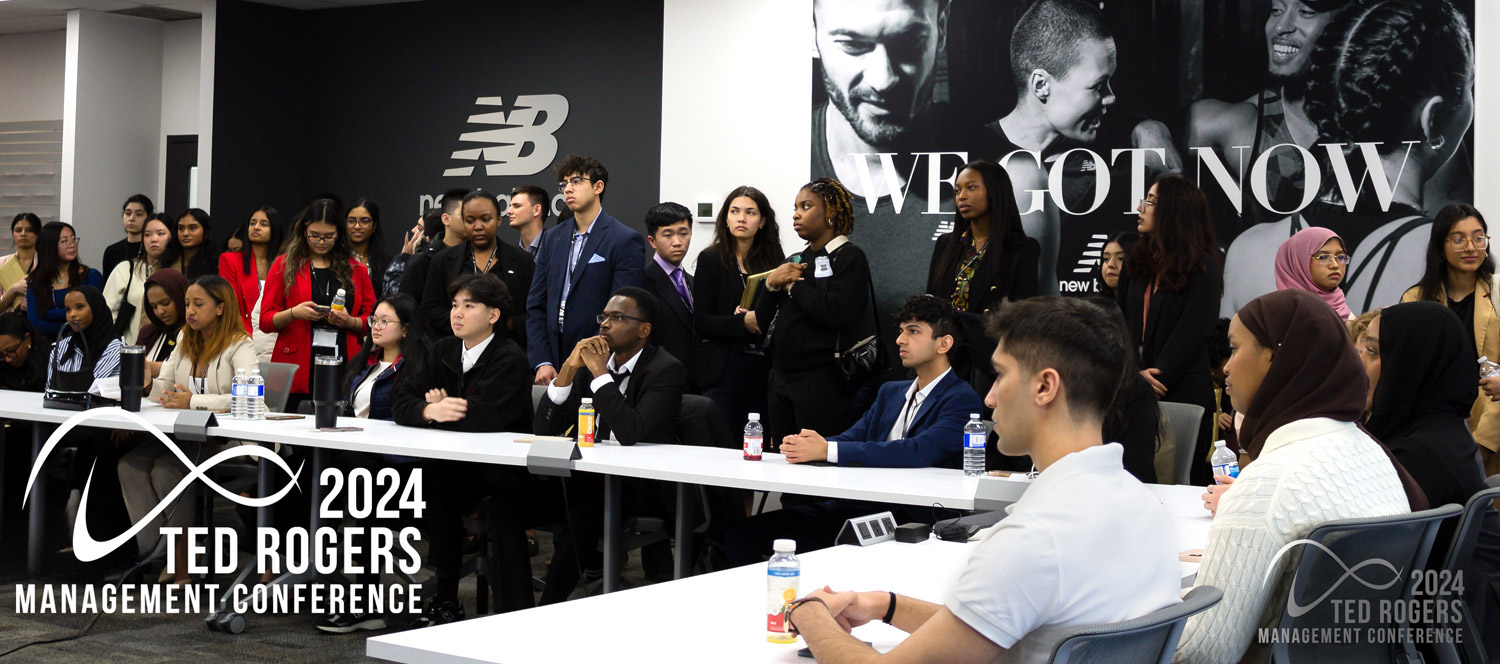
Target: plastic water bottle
x,y
1224,460
238,390
338,301
1487,368
755,437
974,437
783,573
586,423
255,396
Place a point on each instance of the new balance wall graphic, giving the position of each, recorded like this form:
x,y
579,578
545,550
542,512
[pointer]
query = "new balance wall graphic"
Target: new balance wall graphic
x,y
502,146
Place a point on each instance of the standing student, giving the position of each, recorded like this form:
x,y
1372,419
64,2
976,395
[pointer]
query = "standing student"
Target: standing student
x,y
669,230
1460,273
1112,262
481,254
246,270
731,367
527,213
125,289
416,240
197,376
366,242
166,291
984,261
200,256
234,242
133,216
810,300
1315,260
1170,293
579,263
300,289
443,231
57,271
14,267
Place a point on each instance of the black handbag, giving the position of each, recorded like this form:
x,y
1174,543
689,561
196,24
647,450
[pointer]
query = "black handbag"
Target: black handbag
x,y
865,358
69,390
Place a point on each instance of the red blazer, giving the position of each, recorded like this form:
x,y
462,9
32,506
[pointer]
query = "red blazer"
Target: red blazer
x,y
246,285
294,343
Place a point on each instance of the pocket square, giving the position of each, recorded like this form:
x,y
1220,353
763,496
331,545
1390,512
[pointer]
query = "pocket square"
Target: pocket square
x,y
596,258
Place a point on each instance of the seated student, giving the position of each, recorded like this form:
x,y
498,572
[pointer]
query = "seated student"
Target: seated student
x,y
476,381
1314,260
125,287
391,352
1133,419
637,393
669,230
913,424
197,376
1039,571
1294,374
166,291
24,365
1421,391
57,271
87,348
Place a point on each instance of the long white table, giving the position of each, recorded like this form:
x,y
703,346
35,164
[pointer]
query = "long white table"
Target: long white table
x,y
725,612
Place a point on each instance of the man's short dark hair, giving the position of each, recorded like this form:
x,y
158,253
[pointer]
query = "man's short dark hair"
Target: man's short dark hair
x,y
666,214
582,164
486,289
1076,338
453,200
645,302
1047,37
145,203
537,196
936,313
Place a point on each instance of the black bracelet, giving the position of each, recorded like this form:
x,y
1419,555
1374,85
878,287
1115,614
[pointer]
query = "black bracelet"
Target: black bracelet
x,y
890,611
792,627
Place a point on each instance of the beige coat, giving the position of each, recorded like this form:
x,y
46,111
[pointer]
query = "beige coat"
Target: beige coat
x,y
1484,418
214,391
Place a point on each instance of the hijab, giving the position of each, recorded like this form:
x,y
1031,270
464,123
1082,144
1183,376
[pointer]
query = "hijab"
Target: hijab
x,y
98,334
1294,266
1315,372
175,286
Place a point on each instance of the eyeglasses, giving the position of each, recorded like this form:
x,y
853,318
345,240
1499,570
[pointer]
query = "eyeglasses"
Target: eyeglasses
x,y
1148,202
1328,259
14,351
317,238
382,323
1459,241
573,181
69,241
359,221
616,318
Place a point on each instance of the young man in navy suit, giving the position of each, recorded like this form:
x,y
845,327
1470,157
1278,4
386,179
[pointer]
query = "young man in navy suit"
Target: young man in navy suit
x,y
913,424
669,229
580,262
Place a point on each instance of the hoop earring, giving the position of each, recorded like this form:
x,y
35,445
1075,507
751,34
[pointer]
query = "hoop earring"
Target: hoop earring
x,y
1437,142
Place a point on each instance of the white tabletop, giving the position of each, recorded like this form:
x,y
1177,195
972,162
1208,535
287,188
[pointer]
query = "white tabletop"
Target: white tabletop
x,y
28,406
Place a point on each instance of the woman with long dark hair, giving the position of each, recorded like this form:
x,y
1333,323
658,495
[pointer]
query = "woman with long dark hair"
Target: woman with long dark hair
x,y
125,289
1112,262
23,358
200,256
14,267
366,242
1170,293
301,286
165,307
57,271
1460,274
730,366
246,270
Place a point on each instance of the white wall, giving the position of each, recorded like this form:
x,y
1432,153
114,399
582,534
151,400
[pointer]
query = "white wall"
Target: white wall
x,y
111,121
181,56
1486,105
735,94
31,76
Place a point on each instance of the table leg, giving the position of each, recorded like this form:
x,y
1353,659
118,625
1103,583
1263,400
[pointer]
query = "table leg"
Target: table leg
x,y
37,518
612,535
319,461
683,533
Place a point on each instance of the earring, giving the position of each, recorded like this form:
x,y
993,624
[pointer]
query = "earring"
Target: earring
x,y
1437,142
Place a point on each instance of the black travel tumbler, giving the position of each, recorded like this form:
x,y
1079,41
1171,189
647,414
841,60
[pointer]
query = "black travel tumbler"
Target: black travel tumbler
x,y
132,377
327,376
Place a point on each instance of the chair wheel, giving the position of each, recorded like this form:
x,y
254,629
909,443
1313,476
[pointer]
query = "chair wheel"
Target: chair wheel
x,y
228,623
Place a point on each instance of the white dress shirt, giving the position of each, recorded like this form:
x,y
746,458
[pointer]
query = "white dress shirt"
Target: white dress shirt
x,y
560,394
909,409
471,355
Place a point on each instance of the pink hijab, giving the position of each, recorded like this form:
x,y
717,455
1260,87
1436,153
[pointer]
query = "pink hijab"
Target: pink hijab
x,y
1294,266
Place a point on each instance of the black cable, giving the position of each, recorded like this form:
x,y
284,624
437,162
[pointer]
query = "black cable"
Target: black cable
x,y
60,639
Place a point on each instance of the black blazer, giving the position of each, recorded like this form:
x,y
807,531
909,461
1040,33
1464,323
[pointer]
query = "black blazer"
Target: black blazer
x,y
810,318
673,330
716,293
646,413
513,266
1177,330
1009,274
498,387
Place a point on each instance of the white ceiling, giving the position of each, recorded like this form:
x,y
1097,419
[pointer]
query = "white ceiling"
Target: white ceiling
x,y
17,16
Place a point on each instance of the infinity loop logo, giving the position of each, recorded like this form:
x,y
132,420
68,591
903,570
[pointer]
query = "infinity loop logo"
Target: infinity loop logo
x,y
85,546
1296,610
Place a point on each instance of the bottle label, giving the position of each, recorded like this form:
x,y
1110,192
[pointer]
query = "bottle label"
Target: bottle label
x,y
754,447
1230,469
974,440
586,428
256,391
782,589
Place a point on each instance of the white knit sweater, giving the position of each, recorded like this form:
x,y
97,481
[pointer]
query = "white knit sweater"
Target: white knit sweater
x,y
1310,472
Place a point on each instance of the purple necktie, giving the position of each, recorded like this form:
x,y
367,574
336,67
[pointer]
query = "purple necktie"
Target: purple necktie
x,y
681,283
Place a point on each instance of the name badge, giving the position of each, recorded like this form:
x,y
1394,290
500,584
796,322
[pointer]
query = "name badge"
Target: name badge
x,y
822,267
325,337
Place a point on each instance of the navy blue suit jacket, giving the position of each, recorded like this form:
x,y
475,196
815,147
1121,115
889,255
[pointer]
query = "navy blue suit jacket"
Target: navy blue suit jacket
x,y
934,437
610,260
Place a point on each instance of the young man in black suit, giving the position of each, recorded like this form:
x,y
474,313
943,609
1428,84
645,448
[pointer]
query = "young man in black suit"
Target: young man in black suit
x,y
637,393
481,254
669,229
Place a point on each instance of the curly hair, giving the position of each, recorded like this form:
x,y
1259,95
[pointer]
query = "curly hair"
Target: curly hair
x,y
838,205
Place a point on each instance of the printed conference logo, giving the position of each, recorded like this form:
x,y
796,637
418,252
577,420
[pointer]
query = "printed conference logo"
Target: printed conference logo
x,y
532,121
320,554
1435,604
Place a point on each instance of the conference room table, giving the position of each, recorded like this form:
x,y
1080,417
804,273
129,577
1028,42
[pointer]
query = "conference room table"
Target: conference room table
x,y
721,617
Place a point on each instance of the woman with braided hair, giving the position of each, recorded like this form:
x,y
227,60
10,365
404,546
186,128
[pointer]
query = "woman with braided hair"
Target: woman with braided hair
x,y
819,292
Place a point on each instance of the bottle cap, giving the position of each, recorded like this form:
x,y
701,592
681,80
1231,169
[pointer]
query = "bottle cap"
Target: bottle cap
x,y
973,416
1221,443
240,370
785,546
1483,359
340,293
754,417
588,400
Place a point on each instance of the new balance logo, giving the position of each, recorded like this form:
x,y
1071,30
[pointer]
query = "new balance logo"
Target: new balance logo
x,y
1091,253
513,133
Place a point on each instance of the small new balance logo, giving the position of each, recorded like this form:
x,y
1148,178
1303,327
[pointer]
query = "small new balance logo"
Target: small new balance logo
x,y
502,154
1091,253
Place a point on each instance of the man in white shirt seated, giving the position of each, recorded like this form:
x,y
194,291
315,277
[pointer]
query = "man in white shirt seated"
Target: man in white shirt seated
x,y
1087,543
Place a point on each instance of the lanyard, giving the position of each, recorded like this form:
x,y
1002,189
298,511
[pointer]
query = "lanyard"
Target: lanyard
x,y
487,264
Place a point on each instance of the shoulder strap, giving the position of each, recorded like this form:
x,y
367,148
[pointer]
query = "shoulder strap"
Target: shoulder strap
x,y
1495,293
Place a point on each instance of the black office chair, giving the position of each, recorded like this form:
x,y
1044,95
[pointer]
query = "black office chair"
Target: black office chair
x,y
1149,639
1478,512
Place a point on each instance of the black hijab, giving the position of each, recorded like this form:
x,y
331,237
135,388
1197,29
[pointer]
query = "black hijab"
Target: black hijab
x,y
175,286
98,334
